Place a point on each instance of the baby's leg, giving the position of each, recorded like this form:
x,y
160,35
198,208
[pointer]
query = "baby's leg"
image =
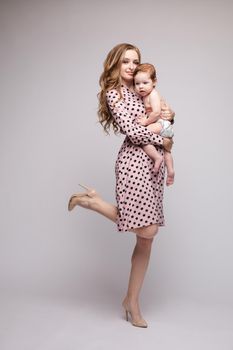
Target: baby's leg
x,y
170,168
152,152
155,127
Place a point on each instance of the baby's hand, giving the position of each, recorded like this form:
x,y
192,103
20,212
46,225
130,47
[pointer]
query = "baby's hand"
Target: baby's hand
x,y
142,121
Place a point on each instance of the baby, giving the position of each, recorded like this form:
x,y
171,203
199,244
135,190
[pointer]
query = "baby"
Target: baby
x,y
157,122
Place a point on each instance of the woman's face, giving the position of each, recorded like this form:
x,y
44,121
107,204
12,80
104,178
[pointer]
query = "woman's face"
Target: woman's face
x,y
129,62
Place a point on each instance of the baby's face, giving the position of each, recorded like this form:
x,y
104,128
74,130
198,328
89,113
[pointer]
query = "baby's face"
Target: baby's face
x,y
143,84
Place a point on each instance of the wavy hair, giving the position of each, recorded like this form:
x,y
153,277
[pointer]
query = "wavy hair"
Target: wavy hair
x,y
110,79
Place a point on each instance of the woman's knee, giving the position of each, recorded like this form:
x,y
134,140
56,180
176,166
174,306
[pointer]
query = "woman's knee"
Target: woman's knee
x,y
148,232
144,243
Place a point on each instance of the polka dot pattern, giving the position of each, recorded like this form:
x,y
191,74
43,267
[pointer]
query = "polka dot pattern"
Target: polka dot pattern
x,y
139,191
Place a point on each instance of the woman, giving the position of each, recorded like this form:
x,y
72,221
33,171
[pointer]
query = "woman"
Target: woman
x,y
139,191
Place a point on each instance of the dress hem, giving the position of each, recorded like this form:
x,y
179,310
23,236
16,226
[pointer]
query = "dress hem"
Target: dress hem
x,y
132,228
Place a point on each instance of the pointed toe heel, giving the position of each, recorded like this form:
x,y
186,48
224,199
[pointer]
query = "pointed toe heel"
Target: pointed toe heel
x,y
140,323
83,198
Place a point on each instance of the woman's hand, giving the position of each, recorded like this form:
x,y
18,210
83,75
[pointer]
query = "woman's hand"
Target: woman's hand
x,y
167,144
166,112
142,121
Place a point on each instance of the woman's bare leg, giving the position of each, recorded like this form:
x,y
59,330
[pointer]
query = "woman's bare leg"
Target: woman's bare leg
x,y
96,203
140,257
92,200
140,260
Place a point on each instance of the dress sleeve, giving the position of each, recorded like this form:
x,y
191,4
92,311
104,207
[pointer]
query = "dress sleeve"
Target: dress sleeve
x,y
137,133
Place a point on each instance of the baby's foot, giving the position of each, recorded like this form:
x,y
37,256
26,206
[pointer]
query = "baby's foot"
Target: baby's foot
x,y
157,163
170,177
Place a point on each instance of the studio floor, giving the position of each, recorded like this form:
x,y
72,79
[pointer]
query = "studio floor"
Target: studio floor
x,y
48,323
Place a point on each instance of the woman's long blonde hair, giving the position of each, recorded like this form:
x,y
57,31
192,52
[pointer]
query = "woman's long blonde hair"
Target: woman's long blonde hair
x,y
110,79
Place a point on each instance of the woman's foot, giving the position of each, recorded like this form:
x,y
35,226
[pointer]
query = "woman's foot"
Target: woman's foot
x,y
170,177
86,199
133,310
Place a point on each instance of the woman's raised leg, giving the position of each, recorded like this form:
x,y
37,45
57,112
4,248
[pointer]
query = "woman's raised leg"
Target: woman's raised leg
x,y
92,200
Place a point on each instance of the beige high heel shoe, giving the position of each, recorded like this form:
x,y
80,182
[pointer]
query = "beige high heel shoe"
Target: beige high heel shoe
x,y
89,193
139,323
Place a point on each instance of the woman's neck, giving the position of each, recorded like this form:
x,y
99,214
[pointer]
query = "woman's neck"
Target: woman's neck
x,y
128,84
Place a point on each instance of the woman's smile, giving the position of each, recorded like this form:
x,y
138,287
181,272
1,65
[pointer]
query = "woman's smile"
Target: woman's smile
x,y
130,61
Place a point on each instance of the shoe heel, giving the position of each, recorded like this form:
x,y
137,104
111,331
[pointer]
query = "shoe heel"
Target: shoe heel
x,y
86,188
126,315
141,323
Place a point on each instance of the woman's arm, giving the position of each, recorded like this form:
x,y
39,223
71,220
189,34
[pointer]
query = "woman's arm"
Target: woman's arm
x,y
137,134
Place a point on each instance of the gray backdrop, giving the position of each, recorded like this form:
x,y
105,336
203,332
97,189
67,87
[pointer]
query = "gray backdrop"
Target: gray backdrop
x,y
51,59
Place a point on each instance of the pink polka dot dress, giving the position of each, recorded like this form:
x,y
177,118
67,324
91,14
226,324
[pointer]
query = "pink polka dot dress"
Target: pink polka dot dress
x,y
139,191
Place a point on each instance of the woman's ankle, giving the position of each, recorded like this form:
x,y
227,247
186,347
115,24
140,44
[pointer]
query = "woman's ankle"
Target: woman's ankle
x,y
94,204
131,300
